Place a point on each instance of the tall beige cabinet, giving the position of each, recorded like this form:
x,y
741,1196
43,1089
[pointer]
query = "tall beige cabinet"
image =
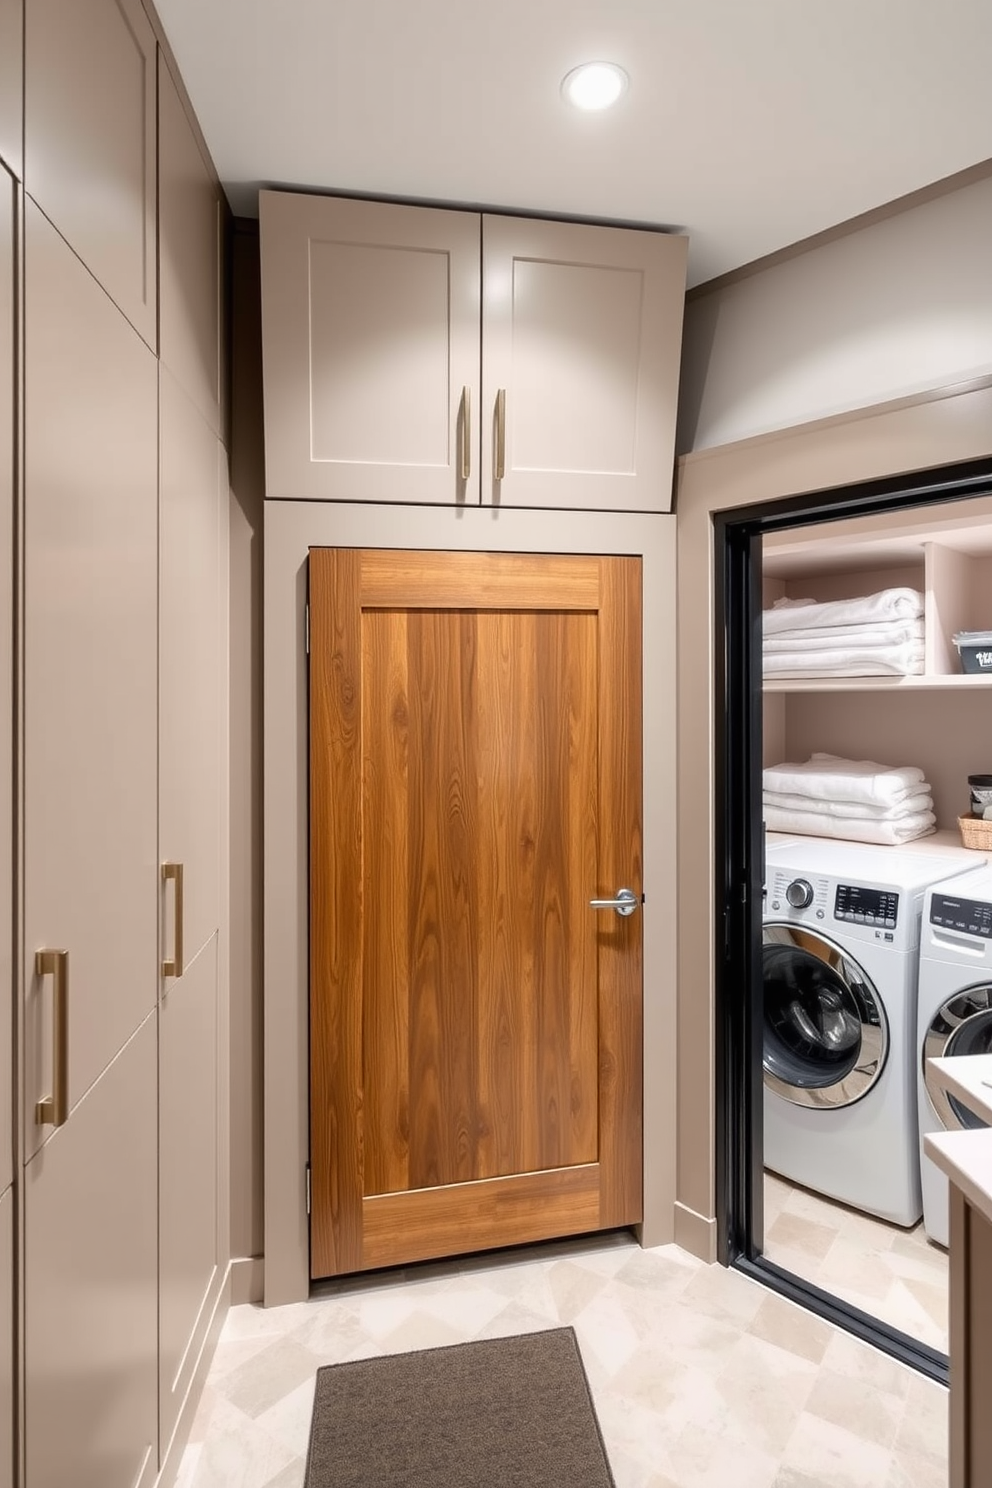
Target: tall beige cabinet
x,y
114,1256
7,299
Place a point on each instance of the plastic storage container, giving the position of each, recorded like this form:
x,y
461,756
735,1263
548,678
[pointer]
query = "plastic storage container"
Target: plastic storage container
x,y
975,649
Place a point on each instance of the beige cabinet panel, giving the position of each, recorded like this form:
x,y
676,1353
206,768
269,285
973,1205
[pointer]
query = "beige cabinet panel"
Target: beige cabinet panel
x,y
7,1338
6,665
188,1180
91,877
11,84
89,140
190,667
189,256
370,327
90,1338
581,342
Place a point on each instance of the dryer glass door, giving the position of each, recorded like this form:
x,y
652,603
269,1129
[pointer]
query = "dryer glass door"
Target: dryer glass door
x,y
963,1025
825,1034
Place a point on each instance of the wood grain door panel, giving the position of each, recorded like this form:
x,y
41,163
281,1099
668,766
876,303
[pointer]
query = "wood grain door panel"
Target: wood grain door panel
x,y
475,780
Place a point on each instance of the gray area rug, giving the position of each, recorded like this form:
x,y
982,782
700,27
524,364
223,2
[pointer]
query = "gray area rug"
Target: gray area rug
x,y
505,1413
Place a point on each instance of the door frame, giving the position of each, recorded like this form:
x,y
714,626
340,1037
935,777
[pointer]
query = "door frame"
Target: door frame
x,y
739,873
291,529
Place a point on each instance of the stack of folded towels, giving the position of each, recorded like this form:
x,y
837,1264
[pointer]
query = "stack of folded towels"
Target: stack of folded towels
x,y
854,799
875,636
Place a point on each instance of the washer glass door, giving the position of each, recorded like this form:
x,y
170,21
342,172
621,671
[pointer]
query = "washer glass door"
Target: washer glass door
x,y
825,1033
963,1025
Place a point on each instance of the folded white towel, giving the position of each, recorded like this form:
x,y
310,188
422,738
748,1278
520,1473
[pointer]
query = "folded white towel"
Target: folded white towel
x,y
888,604
851,829
820,637
847,661
912,805
833,778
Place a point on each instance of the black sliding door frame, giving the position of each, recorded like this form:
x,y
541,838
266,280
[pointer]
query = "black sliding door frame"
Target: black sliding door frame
x,y
739,854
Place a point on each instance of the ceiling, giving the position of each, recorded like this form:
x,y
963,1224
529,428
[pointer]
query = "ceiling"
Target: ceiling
x,y
748,124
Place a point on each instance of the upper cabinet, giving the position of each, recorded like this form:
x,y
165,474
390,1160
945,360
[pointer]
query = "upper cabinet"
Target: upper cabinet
x,y
190,239
89,140
11,84
422,355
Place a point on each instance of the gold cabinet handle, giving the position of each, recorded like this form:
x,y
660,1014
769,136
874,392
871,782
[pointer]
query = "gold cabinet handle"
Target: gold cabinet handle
x,y
54,1109
501,434
174,968
466,433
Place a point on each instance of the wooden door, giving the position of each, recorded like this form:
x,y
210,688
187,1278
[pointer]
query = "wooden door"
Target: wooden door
x,y
475,727
581,345
370,332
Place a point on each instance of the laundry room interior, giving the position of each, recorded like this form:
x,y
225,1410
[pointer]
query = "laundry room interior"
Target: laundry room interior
x,y
877,913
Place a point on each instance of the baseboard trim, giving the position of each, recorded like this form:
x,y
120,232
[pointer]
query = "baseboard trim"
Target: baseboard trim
x,y
695,1233
171,1462
247,1280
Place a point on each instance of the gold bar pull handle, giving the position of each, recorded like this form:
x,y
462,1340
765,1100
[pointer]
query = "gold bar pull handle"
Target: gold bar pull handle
x,y
54,1109
174,968
466,432
500,434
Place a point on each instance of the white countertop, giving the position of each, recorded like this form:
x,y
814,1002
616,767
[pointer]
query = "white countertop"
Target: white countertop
x,y
969,1078
966,1156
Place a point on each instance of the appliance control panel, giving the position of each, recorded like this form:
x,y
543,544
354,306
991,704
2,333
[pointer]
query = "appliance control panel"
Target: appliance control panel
x,y
972,916
861,906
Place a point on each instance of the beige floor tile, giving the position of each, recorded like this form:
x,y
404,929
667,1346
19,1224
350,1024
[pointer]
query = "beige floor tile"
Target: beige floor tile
x,y
793,1232
834,1457
860,1408
917,1470
262,1381
791,1328
861,1363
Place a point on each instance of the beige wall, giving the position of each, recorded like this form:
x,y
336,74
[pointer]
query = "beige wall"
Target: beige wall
x,y
290,528
906,436
890,310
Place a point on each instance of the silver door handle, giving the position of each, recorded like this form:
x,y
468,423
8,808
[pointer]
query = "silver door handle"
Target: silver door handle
x,y
625,903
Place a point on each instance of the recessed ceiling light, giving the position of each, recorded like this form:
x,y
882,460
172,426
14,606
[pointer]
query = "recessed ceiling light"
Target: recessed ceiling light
x,y
594,85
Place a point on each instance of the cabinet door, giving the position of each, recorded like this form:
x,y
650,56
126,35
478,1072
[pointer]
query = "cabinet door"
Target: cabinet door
x,y
189,256
6,665
7,1475
581,339
188,1179
89,140
90,1286
190,672
90,641
370,331
11,83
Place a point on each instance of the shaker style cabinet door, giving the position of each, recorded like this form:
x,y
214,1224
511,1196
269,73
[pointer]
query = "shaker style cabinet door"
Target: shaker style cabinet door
x,y
7,1474
89,140
370,333
11,87
190,691
6,674
581,342
189,1235
91,875
90,1278
189,257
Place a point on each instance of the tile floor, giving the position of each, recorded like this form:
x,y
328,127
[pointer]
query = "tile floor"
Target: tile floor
x,y
893,1274
701,1377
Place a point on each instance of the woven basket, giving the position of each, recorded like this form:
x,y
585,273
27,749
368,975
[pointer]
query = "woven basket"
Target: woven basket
x,y
975,832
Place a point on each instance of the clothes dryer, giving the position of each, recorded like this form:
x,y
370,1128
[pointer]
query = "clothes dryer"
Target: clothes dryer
x,y
840,949
954,1014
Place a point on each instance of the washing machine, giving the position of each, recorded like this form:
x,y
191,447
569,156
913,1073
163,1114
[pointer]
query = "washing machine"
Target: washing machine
x,y
954,1013
840,950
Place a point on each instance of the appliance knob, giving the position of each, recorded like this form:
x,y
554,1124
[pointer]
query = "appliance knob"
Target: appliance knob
x,y
799,893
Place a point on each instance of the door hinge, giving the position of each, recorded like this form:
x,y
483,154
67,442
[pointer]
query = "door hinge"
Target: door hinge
x,y
307,628
308,1187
